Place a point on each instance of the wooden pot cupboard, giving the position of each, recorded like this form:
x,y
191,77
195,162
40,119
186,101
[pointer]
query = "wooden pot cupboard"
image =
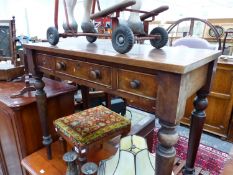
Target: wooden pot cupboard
x,y
20,129
219,112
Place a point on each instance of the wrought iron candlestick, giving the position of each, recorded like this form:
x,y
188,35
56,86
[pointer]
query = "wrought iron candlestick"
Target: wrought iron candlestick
x,y
70,158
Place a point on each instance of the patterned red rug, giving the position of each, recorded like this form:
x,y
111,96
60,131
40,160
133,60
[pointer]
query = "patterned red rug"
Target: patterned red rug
x,y
208,158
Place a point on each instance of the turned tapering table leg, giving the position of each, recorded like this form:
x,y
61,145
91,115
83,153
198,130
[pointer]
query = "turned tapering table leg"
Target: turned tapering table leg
x,y
197,122
42,110
165,154
85,96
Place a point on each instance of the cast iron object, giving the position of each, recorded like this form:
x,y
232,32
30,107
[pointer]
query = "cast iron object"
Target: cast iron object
x,y
70,158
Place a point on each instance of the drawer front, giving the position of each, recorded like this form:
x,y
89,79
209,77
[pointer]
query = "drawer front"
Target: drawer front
x,y
92,72
137,83
44,61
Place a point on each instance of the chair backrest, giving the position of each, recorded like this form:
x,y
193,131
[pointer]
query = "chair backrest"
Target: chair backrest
x,y
193,42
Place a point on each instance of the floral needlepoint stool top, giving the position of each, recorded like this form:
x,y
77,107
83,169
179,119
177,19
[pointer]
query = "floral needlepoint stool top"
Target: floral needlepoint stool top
x,y
86,127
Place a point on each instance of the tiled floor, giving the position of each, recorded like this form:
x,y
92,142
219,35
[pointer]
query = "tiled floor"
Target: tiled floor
x,y
206,138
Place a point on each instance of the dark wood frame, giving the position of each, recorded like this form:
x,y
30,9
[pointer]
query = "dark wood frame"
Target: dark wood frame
x,y
12,40
13,70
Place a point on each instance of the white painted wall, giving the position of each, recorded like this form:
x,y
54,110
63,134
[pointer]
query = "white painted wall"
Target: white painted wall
x,y
33,17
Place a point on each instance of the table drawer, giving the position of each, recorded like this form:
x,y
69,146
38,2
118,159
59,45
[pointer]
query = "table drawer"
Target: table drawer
x,y
44,61
137,83
92,72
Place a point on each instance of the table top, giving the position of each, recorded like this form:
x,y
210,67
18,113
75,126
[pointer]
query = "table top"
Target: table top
x,y
179,60
52,88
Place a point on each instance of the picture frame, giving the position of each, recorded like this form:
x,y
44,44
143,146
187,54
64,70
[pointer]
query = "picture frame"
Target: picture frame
x,y
8,53
8,40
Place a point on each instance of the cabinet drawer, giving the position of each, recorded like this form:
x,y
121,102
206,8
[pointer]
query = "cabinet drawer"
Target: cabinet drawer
x,y
44,61
92,72
137,83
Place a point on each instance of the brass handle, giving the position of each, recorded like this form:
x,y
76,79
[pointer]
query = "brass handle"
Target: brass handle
x,y
135,84
95,74
61,66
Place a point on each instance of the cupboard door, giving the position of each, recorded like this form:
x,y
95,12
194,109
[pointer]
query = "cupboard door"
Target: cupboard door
x,y
3,170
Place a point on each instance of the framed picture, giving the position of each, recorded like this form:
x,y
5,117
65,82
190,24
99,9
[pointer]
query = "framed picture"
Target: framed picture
x,y
219,29
7,40
8,70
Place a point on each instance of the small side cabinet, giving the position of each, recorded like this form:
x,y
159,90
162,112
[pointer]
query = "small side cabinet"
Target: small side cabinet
x,y
20,130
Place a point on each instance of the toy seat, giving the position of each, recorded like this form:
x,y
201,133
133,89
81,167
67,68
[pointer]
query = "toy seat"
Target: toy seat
x,y
90,126
193,42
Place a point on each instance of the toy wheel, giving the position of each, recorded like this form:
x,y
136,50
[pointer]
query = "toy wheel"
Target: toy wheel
x,y
52,36
92,39
158,43
122,39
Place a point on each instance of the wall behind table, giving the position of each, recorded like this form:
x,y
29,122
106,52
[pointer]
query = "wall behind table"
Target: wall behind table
x,y
33,17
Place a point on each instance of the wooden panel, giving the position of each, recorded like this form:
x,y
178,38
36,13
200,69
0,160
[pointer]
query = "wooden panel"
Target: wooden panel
x,y
8,71
147,83
3,167
45,62
9,141
223,80
84,70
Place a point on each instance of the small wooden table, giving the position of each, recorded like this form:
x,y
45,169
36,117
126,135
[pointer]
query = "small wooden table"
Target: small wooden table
x,y
158,80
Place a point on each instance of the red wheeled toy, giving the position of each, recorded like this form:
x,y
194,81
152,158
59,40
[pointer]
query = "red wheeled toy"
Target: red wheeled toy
x,y
122,36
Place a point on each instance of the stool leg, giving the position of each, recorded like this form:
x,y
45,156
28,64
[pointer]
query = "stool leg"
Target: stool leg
x,y
63,144
82,156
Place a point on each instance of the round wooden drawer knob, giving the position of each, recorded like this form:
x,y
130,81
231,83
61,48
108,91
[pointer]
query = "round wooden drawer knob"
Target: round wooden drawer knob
x,y
95,74
61,66
135,84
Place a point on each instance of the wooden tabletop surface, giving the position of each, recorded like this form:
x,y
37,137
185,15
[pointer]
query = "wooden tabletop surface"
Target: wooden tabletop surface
x,y
172,59
52,88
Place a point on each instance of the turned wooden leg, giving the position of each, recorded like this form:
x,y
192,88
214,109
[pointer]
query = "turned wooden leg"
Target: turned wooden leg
x,y
165,153
197,122
42,110
63,144
85,96
108,98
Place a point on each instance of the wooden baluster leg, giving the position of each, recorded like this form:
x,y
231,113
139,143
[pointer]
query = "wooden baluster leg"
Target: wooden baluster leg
x,y
108,98
85,96
63,144
42,110
165,153
197,122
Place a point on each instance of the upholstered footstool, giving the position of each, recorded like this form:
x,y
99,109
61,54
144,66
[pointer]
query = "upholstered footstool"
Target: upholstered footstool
x,y
91,126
